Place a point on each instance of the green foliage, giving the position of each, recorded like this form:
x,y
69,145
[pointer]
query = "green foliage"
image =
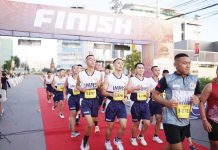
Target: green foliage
x,y
7,65
16,61
203,82
132,59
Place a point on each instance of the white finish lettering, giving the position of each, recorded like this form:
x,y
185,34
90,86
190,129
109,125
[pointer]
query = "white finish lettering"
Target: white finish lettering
x,y
92,23
40,17
76,17
105,24
60,19
120,26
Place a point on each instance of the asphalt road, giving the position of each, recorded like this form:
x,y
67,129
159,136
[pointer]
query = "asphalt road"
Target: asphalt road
x,y
23,122
21,114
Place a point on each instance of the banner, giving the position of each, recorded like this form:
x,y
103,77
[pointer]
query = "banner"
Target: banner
x,y
34,20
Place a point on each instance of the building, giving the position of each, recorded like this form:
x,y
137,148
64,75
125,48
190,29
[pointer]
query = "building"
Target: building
x,y
6,49
205,62
184,28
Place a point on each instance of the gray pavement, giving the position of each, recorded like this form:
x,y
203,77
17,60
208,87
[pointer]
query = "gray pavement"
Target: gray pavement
x,y
21,114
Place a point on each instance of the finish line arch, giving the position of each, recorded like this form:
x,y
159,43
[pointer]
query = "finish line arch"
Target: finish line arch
x,y
42,21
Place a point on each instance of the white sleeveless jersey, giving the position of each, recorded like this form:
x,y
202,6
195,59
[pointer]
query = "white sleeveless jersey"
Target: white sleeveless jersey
x,y
89,81
59,81
71,82
49,80
145,83
153,83
116,84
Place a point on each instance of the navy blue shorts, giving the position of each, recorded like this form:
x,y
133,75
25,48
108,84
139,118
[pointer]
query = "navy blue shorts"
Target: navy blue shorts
x,y
100,98
115,109
58,96
74,102
155,108
49,88
89,107
140,110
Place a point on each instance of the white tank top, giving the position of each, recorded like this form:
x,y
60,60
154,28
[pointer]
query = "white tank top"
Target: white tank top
x,y
153,83
145,83
48,80
59,81
116,84
89,81
71,82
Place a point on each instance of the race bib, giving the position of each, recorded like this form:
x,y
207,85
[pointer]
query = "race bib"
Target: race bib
x,y
183,111
142,95
90,94
118,96
76,92
60,88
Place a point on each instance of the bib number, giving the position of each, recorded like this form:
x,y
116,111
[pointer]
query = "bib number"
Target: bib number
x,y
76,92
90,94
142,95
60,88
183,111
118,96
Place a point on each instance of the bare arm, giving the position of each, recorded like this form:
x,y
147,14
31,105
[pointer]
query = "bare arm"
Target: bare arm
x,y
65,88
157,97
129,86
53,84
78,85
203,99
104,89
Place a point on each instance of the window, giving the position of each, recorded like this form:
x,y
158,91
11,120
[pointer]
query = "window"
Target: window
x,y
29,42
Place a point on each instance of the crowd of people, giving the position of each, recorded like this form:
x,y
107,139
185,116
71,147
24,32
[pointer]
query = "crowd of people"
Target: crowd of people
x,y
167,100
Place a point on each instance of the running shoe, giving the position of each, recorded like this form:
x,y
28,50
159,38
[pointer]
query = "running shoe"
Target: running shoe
x,y
86,146
74,134
142,140
119,144
108,145
157,139
61,115
97,129
133,142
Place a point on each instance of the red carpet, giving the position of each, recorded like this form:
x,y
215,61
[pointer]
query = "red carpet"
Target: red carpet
x,y
58,137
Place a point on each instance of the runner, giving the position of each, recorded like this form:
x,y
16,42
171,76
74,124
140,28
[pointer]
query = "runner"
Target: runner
x,y
114,88
139,87
154,107
210,116
73,99
58,86
164,73
47,84
88,82
98,67
80,69
182,90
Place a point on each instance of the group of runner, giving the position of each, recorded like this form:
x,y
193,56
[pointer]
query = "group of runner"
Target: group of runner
x,y
168,99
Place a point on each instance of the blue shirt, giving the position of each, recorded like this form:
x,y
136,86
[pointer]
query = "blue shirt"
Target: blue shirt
x,y
181,89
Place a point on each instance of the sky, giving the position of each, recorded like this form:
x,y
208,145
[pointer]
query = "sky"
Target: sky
x,y
208,28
